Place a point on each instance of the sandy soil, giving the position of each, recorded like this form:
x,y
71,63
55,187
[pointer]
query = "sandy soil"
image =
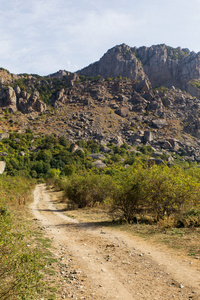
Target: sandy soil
x,y
101,263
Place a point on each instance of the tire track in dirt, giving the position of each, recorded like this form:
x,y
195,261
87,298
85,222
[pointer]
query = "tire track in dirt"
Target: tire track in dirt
x,y
100,263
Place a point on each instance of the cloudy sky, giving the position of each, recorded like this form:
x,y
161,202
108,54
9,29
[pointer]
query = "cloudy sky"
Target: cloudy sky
x,y
44,36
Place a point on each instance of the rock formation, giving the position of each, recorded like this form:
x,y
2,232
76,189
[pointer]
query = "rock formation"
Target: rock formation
x,y
144,96
2,166
159,65
14,99
118,61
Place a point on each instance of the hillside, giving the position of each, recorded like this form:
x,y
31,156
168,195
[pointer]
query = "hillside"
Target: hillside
x,y
133,95
117,145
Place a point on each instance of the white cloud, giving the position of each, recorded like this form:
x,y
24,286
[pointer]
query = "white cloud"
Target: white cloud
x,y
40,36
99,31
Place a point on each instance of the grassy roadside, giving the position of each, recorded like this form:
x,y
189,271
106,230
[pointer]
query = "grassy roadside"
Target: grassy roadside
x,y
28,269
183,241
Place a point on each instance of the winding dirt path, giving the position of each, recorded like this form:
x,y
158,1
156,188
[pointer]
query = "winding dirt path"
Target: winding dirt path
x,y
101,263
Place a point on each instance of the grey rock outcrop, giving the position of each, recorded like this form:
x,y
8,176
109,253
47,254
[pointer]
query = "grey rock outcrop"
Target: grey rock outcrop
x,y
11,99
4,135
118,61
159,123
28,103
123,111
3,154
71,77
148,136
75,148
16,99
99,164
158,65
156,161
118,140
17,90
193,88
60,74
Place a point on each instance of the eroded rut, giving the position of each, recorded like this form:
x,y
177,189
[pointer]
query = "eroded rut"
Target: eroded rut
x,y
100,263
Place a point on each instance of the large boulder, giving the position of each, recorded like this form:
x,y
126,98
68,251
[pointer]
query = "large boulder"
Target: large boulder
x,y
99,164
122,112
159,123
3,154
155,161
175,144
40,106
4,135
118,140
2,166
148,136
75,147
106,149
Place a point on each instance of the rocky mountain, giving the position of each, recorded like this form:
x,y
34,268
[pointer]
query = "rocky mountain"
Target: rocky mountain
x,y
144,96
158,65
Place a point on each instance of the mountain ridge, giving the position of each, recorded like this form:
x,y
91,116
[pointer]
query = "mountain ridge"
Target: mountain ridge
x,y
114,108
158,64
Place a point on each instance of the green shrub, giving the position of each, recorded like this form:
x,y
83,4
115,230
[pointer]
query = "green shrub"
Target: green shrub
x,y
132,157
69,170
129,198
147,150
88,190
54,173
170,191
115,157
158,191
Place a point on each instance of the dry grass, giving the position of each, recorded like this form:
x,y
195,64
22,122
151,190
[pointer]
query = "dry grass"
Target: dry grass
x,y
23,230
185,241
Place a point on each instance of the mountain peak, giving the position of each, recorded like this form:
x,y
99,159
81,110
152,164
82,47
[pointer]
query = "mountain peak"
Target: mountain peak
x,y
159,64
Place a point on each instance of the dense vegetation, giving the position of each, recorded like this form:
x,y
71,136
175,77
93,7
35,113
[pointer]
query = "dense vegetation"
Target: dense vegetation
x,y
132,188
140,193
130,184
37,156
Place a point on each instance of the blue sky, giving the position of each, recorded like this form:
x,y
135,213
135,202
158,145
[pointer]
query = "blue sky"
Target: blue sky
x,y
44,36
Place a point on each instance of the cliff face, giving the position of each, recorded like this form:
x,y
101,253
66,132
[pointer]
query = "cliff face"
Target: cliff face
x,y
160,64
118,61
154,66
14,99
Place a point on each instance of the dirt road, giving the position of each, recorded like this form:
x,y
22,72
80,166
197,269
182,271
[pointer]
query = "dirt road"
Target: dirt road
x,y
101,263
